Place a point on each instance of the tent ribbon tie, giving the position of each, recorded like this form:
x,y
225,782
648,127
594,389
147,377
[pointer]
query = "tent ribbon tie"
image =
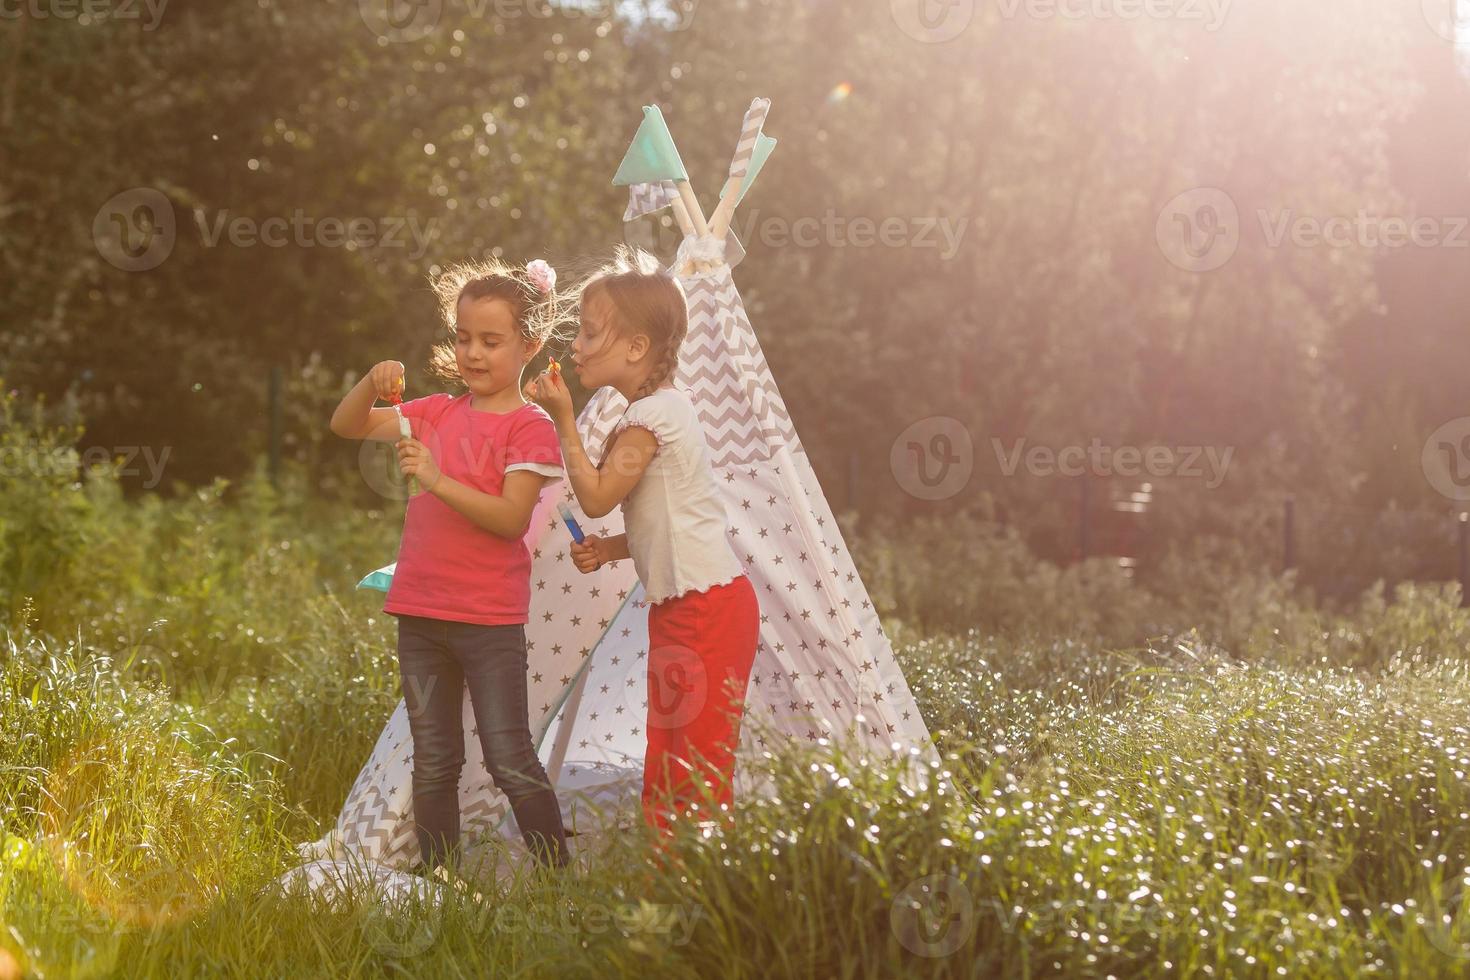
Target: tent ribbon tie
x,y
699,257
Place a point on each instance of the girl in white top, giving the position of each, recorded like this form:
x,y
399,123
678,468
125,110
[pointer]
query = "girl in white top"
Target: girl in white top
x,y
703,617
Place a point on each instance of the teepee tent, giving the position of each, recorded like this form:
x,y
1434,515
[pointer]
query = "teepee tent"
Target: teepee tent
x,y
824,668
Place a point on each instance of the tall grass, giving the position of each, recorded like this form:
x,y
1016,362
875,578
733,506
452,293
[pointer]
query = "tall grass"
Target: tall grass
x,y
1173,813
1261,788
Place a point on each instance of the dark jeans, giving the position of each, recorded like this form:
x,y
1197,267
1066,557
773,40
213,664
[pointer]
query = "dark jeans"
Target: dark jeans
x,y
437,659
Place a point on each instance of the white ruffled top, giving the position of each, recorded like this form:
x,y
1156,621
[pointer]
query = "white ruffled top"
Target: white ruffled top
x,y
675,520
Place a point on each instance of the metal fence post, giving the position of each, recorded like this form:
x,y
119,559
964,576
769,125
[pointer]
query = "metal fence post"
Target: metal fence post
x,y
276,384
1464,560
1083,530
1288,535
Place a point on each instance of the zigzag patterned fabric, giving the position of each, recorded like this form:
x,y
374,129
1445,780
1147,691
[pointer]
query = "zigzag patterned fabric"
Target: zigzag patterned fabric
x,y
647,198
724,370
750,130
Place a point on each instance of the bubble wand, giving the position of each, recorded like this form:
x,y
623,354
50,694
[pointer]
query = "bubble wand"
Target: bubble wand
x,y
562,508
571,522
404,429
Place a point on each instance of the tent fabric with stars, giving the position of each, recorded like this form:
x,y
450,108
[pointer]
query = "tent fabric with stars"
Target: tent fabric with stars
x,y
824,668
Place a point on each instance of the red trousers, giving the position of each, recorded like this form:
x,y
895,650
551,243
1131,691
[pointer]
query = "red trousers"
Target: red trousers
x,y
701,647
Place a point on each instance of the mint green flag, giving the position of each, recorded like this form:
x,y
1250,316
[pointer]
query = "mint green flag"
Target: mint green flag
x,y
763,146
653,156
380,579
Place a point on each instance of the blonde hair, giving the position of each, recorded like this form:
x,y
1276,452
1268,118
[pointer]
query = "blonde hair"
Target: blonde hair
x,y
541,318
644,298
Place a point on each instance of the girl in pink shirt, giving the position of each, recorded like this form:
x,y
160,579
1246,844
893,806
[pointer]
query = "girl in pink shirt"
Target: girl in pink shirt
x,y
461,589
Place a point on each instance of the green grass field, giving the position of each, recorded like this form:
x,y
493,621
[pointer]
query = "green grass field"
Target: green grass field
x,y
188,689
1097,813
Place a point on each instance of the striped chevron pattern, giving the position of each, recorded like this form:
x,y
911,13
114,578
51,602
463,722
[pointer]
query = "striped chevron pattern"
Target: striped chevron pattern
x,y
824,668
725,372
750,128
647,198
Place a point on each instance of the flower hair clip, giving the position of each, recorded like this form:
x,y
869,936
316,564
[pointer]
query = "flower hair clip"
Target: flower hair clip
x,y
542,275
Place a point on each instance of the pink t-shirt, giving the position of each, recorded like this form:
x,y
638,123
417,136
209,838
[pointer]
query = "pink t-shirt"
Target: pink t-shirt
x,y
449,567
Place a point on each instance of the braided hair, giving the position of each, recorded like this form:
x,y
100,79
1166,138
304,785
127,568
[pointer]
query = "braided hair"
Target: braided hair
x,y
645,298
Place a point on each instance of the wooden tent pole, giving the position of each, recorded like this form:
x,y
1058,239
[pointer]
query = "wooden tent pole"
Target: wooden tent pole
x,y
681,215
691,203
719,222
564,736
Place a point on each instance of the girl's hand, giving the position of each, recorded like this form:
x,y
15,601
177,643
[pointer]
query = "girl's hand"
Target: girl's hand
x,y
549,391
591,554
414,459
387,377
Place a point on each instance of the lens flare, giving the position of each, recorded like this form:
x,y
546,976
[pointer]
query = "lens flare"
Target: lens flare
x,y
138,828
